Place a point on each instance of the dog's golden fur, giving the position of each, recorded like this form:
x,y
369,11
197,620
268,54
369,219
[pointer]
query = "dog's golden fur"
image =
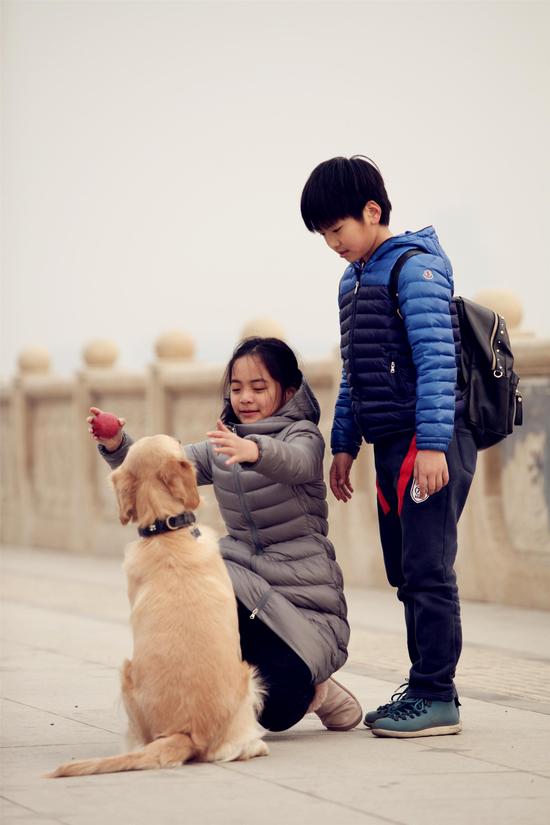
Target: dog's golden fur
x,y
187,692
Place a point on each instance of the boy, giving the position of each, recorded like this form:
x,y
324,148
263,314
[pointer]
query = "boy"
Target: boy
x,y
399,391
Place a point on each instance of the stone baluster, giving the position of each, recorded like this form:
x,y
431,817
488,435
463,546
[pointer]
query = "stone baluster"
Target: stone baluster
x,y
174,350
33,363
99,358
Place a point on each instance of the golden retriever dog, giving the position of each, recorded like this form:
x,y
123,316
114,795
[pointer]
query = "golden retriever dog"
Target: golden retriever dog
x,y
187,692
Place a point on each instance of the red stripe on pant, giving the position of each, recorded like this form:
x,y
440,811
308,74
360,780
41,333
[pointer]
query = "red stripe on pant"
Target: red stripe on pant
x,y
382,499
405,473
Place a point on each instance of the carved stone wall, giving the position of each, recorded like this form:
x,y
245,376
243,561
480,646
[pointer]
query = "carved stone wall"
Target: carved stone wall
x,y
56,492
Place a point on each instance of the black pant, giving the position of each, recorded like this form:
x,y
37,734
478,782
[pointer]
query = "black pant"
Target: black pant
x,y
286,676
419,541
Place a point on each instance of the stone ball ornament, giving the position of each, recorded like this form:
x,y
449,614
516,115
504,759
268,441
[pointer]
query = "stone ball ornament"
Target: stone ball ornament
x,y
504,302
34,361
100,353
175,345
262,327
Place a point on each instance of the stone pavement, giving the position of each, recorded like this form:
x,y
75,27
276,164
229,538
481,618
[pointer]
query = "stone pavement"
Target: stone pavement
x,y
64,633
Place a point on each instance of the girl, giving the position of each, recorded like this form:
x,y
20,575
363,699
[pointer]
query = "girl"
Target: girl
x,y
265,461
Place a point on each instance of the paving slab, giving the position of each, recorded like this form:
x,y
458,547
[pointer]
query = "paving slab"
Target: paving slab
x,y
64,634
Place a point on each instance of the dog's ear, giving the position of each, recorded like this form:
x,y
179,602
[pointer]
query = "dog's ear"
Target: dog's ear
x,y
179,477
125,485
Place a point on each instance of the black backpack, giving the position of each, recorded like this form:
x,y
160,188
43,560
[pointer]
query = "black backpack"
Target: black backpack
x,y
489,385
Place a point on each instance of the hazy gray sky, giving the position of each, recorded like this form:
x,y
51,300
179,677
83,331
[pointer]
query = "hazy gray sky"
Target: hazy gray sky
x,y
154,153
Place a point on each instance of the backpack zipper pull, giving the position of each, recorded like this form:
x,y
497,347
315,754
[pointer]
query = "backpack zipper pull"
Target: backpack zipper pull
x,y
392,367
518,417
253,614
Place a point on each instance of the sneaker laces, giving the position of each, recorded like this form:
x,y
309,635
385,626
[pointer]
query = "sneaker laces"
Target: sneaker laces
x,y
395,699
409,708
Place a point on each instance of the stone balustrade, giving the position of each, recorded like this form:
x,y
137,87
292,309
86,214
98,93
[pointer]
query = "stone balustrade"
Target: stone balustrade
x,y
55,490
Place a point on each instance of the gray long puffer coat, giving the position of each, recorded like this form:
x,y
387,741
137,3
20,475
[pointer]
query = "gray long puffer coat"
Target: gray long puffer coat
x,y
280,560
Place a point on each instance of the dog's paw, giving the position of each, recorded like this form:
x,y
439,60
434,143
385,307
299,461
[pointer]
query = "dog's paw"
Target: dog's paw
x,y
255,748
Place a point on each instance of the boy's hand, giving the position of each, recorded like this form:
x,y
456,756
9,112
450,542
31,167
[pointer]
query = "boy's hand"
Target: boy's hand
x,y
228,443
430,471
339,476
110,444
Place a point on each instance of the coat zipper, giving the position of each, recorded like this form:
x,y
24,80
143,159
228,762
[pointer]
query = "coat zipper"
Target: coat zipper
x,y
246,511
260,604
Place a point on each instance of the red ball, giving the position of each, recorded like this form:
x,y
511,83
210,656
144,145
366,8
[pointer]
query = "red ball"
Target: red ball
x,y
105,425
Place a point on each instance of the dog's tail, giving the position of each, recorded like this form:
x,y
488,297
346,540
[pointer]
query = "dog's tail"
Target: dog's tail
x,y
256,687
166,752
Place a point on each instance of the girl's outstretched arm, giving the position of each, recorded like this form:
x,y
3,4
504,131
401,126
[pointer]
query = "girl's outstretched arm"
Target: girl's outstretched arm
x,y
296,460
199,455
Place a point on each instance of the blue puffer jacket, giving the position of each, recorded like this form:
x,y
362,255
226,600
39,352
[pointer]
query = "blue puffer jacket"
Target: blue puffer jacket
x,y
398,375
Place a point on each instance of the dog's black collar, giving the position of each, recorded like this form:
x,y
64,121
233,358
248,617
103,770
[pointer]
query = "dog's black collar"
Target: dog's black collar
x,y
184,519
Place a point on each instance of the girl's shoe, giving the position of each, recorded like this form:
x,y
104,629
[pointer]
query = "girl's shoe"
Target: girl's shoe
x,y
419,717
340,709
382,710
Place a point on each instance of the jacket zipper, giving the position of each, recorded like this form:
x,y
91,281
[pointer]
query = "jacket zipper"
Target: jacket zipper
x,y
392,367
260,604
246,511
352,325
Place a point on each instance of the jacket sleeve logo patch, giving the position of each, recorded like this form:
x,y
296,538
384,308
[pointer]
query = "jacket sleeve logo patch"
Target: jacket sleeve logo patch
x,y
428,274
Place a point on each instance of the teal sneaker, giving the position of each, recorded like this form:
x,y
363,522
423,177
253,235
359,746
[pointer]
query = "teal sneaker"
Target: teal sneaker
x,y
418,717
383,710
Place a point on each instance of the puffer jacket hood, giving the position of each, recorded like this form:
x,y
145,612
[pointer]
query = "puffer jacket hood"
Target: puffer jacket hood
x,y
425,238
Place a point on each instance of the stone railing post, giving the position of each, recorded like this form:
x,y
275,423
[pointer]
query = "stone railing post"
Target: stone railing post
x,y
174,350
33,361
183,402
99,362
101,383
43,436
352,526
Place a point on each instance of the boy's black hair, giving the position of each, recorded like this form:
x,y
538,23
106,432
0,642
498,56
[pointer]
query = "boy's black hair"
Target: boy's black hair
x,y
339,188
278,359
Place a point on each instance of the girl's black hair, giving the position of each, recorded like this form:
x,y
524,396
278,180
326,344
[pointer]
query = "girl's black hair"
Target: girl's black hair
x,y
279,360
340,188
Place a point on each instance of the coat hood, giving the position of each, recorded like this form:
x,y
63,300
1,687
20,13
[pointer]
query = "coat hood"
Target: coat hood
x,y
423,239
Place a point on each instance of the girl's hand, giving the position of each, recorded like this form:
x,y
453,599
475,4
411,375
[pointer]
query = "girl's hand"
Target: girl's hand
x,y
228,443
110,444
430,471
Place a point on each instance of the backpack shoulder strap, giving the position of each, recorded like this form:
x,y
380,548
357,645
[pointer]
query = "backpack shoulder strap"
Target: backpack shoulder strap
x,y
393,285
